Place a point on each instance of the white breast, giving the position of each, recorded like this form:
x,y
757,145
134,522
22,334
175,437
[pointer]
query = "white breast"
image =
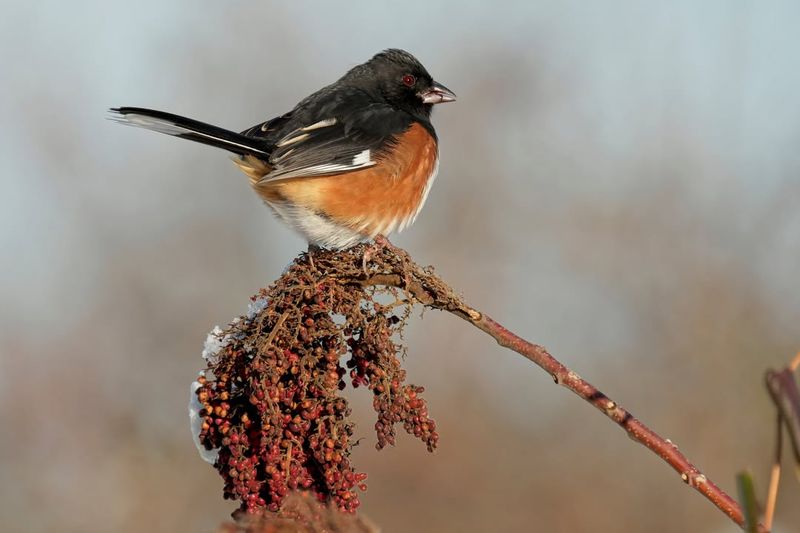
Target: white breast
x,y
318,229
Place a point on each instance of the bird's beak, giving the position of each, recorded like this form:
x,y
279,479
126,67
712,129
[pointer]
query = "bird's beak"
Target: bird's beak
x,y
437,94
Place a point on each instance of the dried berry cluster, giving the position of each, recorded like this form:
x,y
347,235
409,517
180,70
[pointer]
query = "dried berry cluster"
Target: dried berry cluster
x,y
374,364
271,400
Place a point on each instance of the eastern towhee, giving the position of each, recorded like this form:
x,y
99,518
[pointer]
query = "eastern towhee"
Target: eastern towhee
x,y
353,161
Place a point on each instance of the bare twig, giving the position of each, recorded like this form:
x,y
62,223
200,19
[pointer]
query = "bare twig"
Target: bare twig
x,y
782,388
795,362
276,328
393,267
775,476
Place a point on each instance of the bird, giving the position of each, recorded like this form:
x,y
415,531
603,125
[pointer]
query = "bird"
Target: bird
x,y
350,163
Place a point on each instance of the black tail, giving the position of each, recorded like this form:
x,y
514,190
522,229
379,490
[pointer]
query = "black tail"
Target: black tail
x,y
187,128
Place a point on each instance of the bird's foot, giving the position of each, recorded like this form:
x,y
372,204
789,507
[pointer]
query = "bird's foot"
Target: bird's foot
x,y
312,249
379,243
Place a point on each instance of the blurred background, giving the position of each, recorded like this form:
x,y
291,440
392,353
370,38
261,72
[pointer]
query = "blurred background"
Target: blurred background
x,y
619,182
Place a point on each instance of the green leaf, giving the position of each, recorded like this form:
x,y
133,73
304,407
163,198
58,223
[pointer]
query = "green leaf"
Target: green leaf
x,y
747,498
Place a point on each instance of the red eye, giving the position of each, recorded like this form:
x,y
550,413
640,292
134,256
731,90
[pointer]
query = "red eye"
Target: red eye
x,y
409,80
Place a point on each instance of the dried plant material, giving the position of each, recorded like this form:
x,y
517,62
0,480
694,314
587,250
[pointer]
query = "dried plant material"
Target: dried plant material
x,y
269,403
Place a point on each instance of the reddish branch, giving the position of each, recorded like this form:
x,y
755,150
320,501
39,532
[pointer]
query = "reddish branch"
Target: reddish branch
x,y
783,390
395,268
270,404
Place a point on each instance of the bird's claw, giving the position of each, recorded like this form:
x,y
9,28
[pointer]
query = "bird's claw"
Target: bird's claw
x,y
380,242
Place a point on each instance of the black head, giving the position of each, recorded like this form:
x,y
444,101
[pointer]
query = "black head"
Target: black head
x,y
403,82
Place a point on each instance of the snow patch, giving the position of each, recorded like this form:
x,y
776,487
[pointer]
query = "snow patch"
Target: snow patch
x,y
254,308
195,424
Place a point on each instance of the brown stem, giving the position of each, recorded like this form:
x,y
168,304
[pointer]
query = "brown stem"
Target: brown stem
x,y
783,389
795,362
395,268
775,477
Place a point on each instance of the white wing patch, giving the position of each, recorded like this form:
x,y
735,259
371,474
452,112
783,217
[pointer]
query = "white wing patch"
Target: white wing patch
x,y
321,124
361,160
291,140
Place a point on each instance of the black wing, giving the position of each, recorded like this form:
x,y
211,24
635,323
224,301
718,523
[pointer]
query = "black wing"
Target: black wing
x,y
333,131
268,129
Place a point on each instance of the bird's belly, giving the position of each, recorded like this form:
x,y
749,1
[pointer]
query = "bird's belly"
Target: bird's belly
x,y
341,210
316,227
